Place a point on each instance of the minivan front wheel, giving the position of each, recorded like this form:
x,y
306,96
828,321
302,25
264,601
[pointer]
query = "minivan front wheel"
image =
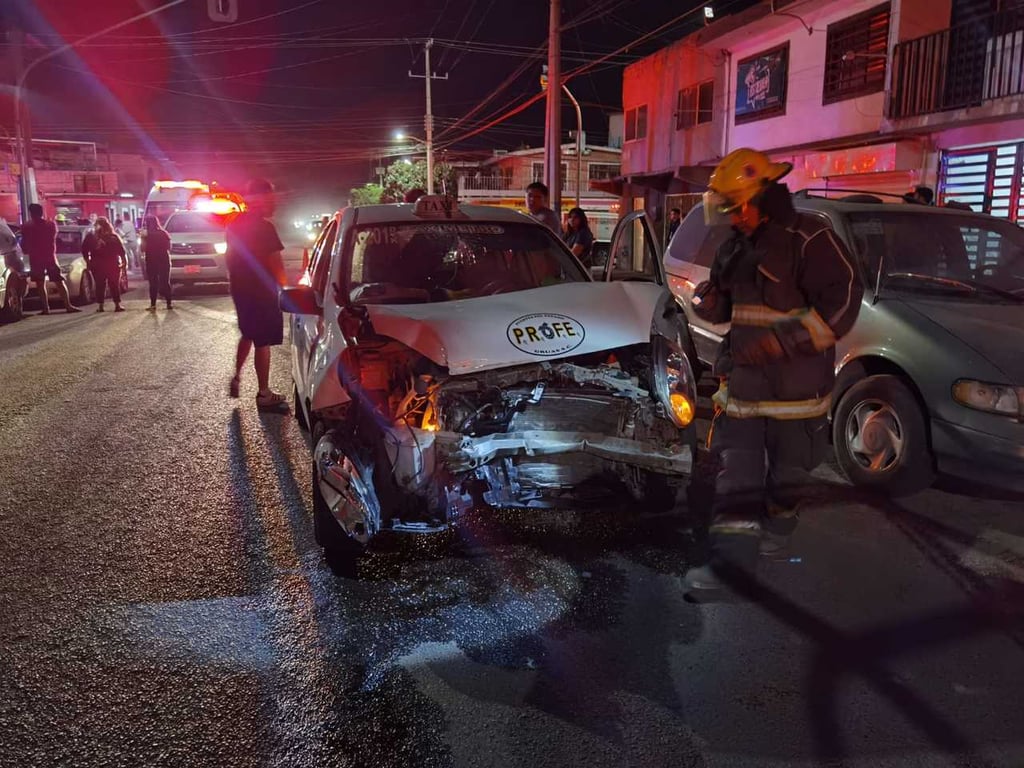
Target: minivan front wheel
x,y
881,437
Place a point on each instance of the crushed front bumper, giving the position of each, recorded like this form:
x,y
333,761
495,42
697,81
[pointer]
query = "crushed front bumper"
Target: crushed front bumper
x,y
464,453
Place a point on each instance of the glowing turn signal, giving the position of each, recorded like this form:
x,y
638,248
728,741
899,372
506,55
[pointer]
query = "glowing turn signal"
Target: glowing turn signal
x,y
682,408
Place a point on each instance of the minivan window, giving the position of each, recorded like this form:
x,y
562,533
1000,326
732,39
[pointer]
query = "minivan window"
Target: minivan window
x,y
922,252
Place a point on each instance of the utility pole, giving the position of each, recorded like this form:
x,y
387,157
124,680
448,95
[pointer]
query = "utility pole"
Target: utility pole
x,y
553,130
22,130
22,121
428,119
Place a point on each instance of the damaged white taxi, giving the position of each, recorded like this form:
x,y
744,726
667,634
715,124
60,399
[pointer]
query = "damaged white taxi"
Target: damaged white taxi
x,y
447,358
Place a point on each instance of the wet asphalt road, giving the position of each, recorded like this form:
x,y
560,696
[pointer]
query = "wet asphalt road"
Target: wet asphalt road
x,y
162,602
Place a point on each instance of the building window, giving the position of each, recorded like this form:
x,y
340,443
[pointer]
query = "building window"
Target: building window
x,y
89,183
537,171
636,123
694,105
856,53
597,171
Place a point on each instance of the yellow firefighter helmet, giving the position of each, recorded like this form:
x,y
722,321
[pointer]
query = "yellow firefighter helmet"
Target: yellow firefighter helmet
x,y
740,177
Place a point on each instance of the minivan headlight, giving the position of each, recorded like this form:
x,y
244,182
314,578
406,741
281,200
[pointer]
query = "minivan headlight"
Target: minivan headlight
x,y
673,380
220,248
993,398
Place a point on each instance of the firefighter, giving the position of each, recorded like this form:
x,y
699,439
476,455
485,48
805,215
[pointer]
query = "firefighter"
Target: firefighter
x,y
790,290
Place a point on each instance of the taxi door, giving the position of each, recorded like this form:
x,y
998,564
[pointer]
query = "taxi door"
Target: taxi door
x,y
307,329
635,253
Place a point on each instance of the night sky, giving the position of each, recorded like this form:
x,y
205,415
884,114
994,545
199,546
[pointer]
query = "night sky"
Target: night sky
x,y
315,88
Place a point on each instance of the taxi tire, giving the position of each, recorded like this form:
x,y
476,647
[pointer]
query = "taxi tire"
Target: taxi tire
x,y
297,411
914,470
662,493
86,290
13,308
341,552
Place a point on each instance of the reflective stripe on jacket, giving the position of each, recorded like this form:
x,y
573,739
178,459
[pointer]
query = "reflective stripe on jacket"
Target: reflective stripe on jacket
x,y
791,295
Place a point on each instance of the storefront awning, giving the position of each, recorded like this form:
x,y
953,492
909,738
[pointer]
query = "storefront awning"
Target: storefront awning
x,y
684,180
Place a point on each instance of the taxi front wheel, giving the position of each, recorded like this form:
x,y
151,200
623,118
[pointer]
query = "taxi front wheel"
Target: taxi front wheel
x,y
881,437
341,552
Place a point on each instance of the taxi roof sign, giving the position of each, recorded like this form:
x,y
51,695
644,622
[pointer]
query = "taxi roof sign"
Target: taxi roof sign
x,y
438,207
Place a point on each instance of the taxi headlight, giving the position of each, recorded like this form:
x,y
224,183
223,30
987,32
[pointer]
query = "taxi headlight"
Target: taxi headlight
x,y
673,380
993,398
220,248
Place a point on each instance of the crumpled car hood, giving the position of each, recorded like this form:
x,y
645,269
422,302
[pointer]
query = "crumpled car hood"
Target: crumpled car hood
x,y
546,323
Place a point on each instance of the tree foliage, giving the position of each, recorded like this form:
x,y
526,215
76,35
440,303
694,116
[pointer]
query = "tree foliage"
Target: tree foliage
x,y
368,194
403,176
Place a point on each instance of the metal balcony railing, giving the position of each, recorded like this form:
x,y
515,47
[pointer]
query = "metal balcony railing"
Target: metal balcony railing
x,y
505,184
959,67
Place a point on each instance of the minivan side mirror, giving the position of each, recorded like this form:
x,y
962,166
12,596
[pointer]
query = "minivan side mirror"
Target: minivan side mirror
x,y
300,300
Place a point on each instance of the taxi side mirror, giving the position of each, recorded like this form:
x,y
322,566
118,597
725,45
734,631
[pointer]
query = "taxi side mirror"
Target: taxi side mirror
x,y
300,300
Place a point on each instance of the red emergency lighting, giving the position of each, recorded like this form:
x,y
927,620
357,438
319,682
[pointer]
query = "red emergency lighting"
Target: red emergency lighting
x,y
218,205
188,184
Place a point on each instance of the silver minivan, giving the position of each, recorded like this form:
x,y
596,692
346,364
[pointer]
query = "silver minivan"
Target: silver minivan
x,y
931,377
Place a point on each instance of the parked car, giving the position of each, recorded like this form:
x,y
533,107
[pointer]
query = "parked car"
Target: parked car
x,y
931,377
198,247
12,281
448,357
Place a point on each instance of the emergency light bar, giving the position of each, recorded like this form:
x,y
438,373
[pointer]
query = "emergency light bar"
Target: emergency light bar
x,y
189,184
217,205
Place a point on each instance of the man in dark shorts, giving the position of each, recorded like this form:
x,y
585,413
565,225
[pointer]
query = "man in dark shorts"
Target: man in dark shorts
x,y
256,274
39,241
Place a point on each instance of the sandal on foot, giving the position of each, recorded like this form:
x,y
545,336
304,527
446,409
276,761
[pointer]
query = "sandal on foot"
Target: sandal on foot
x,y
271,401
233,387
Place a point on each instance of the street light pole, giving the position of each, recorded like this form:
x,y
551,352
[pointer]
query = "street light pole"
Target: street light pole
x,y
579,142
23,187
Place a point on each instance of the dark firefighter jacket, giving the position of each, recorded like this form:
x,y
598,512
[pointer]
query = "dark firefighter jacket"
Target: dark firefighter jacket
x,y
790,291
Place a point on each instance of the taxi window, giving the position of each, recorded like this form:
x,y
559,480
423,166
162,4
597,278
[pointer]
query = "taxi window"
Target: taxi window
x,y
431,262
695,242
69,241
321,258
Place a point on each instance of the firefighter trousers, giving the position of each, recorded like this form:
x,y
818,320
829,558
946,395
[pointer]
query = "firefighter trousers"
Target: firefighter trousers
x,y
764,468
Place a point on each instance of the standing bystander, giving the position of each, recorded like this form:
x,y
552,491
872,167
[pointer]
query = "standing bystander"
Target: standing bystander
x,y
537,207
156,249
106,259
256,274
39,241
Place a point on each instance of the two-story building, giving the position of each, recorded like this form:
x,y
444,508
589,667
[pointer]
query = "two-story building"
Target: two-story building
x,y
857,95
74,179
502,179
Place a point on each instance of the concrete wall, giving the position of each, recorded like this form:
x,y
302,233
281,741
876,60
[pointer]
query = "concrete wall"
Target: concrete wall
x,y
656,81
806,119
916,18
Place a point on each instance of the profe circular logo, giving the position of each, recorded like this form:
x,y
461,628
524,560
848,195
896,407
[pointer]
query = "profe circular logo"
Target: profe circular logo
x,y
545,334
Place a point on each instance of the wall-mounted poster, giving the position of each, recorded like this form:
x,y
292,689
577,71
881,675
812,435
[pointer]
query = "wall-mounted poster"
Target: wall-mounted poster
x,y
761,85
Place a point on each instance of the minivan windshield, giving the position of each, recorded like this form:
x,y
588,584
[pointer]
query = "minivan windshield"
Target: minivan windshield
x,y
431,261
197,222
960,256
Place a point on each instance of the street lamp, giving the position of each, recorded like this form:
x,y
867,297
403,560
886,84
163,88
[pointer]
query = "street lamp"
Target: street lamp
x,y
23,188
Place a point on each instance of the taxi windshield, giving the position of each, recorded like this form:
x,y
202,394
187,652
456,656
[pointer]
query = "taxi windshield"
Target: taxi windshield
x,y
431,262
